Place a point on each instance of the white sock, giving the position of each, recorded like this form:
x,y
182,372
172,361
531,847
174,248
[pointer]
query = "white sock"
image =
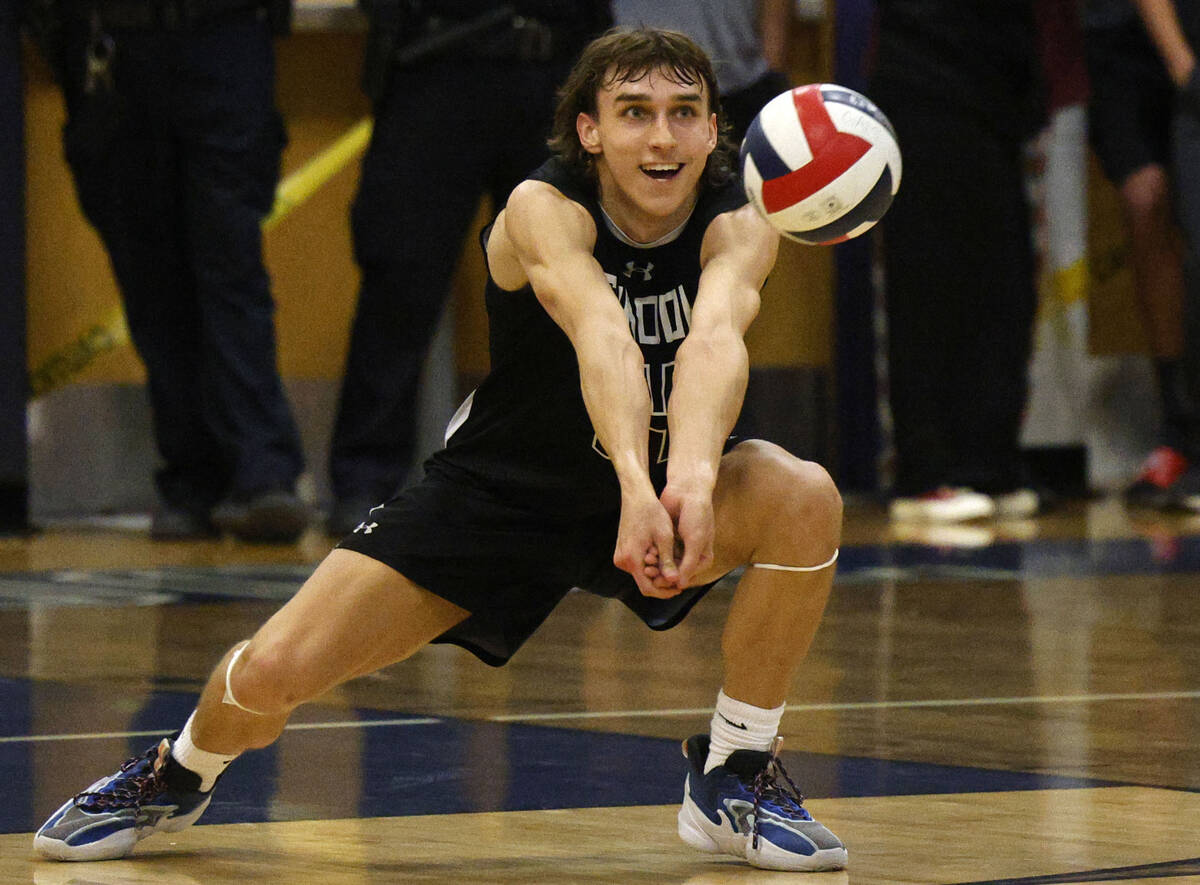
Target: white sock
x,y
208,765
740,726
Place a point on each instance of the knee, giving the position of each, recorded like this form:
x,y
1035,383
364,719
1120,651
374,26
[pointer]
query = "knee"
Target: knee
x,y
1146,197
799,498
264,680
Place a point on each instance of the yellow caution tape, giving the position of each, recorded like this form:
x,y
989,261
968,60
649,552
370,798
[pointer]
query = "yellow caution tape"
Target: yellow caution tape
x,y
110,332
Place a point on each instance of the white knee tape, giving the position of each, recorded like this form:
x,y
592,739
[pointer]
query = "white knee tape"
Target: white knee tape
x,y
229,698
798,568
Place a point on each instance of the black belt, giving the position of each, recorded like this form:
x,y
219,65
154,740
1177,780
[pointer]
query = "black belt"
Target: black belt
x,y
167,15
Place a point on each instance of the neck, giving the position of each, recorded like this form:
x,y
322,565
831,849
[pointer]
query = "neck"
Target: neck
x,y
637,224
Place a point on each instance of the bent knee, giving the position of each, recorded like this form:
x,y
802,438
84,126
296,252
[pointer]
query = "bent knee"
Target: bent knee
x,y
266,679
795,492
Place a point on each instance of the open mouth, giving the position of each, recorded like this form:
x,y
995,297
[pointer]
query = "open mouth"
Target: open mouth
x,y
662,171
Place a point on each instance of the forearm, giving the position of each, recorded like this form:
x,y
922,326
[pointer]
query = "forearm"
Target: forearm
x,y
1162,24
617,400
711,372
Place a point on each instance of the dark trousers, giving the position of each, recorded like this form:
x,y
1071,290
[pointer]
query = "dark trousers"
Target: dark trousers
x,y
445,134
175,167
1185,153
960,296
742,107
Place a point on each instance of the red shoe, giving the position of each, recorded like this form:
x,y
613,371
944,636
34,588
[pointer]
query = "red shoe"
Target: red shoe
x,y
1160,472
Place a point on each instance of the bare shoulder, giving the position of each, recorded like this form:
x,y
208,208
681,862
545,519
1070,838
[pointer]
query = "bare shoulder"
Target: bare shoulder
x,y
537,219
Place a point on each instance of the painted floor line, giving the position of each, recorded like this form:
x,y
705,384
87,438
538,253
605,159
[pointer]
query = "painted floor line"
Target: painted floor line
x,y
694,711
298,726
865,705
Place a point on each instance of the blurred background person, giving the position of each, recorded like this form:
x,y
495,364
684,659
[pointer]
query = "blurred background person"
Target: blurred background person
x,y
961,84
174,141
1146,131
463,95
746,39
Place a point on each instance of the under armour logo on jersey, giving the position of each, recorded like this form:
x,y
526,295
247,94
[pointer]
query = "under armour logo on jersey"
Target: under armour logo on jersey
x,y
365,528
631,268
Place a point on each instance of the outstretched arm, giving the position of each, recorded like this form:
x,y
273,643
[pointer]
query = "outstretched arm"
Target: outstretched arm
x,y
711,370
546,239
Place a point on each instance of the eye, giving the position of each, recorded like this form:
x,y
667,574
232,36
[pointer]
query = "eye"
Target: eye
x,y
686,111
633,112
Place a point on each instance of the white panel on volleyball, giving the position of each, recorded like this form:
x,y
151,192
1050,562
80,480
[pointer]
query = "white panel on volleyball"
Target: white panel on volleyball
x,y
782,128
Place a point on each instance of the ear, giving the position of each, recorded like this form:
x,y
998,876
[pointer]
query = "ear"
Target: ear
x,y
588,130
712,132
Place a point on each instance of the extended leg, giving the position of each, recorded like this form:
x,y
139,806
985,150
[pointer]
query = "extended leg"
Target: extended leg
x,y
353,616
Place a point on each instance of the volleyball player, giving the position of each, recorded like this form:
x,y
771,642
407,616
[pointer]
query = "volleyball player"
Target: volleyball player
x,y
622,276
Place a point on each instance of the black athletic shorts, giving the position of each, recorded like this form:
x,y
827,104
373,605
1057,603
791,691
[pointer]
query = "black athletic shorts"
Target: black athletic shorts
x,y
509,567
1132,100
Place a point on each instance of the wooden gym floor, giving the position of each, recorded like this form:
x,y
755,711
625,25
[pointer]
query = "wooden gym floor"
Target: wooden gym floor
x,y
1015,703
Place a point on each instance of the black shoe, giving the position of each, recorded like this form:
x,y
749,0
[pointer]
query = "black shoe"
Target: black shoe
x,y
347,515
268,516
171,523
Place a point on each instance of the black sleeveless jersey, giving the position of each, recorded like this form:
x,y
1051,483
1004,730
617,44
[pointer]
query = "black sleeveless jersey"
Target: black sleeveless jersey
x,y
524,434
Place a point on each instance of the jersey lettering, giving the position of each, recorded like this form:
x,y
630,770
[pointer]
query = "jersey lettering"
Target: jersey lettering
x,y
655,319
659,380
659,445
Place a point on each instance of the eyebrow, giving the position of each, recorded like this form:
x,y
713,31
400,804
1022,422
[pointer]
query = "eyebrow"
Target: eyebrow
x,y
645,96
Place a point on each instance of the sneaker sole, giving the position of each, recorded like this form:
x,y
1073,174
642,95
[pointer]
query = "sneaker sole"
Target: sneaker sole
x,y
964,507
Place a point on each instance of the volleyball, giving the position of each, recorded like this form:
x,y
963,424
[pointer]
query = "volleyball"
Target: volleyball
x,y
821,163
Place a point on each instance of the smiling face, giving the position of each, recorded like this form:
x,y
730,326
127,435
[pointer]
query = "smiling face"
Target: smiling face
x,y
650,139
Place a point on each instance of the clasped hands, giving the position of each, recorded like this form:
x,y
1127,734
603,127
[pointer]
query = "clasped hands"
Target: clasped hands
x,y
666,543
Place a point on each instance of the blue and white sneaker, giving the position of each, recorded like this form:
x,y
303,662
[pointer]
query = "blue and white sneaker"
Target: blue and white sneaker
x,y
107,819
749,807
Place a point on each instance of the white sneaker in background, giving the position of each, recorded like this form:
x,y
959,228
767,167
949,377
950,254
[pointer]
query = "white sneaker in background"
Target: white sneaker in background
x,y
943,505
1017,504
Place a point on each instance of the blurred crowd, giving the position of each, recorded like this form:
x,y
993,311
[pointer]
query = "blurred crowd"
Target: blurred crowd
x,y
173,138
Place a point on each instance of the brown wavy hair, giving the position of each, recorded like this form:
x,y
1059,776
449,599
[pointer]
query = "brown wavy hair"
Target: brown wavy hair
x,y
625,54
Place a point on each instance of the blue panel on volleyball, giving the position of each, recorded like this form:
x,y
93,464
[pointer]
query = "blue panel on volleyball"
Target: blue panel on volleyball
x,y
757,145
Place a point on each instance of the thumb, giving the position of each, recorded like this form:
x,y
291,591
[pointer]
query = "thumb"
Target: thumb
x,y
667,565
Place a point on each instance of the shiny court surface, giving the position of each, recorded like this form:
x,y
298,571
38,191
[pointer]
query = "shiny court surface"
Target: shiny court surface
x,y
1013,703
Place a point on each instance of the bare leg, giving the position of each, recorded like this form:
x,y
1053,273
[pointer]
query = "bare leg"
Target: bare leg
x,y
1157,256
353,616
772,507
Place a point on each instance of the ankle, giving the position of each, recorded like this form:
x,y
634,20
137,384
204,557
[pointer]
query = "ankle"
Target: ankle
x,y
737,725
206,766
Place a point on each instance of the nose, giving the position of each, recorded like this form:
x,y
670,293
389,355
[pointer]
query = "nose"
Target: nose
x,y
661,134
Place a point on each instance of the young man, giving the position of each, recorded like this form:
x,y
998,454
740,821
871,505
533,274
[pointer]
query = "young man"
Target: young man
x,y
623,275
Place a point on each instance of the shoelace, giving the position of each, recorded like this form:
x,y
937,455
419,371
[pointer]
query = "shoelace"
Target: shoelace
x,y
140,786
766,786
